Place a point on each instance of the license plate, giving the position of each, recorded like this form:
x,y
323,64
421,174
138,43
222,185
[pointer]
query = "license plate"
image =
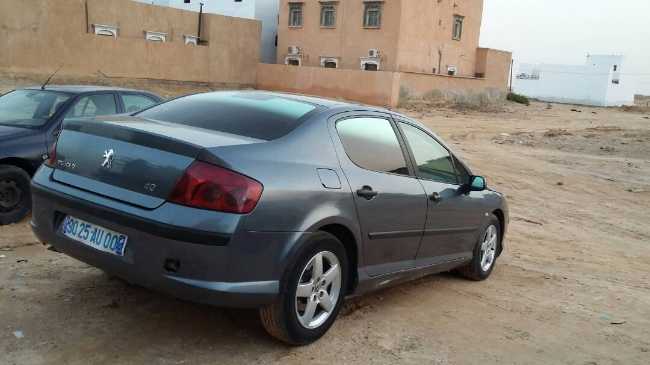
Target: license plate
x,y
94,236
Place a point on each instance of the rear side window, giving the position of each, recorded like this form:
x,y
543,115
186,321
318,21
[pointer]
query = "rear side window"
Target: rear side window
x,y
371,144
254,115
432,159
93,105
136,102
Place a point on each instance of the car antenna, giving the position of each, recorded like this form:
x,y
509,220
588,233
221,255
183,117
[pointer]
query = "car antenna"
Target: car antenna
x,y
50,78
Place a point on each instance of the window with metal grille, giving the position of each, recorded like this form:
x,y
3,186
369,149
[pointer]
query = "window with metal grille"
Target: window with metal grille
x,y
372,15
295,15
328,16
458,27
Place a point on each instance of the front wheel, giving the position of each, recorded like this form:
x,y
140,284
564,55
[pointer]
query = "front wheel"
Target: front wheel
x,y
15,197
486,252
311,293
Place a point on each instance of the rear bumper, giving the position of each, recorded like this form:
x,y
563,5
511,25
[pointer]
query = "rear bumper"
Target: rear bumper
x,y
244,272
150,273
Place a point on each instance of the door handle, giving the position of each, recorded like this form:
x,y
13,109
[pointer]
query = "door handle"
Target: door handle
x,y
435,197
367,193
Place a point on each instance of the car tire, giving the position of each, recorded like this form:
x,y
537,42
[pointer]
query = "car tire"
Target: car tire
x,y
15,195
288,319
485,253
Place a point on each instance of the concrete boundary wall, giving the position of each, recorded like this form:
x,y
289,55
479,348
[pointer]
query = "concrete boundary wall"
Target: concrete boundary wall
x,y
376,88
385,88
38,36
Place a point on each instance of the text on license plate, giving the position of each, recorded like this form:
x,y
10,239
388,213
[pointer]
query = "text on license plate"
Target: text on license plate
x,y
94,236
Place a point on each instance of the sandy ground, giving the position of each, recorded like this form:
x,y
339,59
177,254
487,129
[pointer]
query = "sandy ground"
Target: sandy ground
x,y
573,286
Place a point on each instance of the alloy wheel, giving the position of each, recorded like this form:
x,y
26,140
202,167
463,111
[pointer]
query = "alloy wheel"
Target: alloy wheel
x,y
318,291
489,248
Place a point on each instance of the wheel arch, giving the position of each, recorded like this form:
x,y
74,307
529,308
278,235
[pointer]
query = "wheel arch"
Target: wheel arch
x,y
21,163
347,238
502,227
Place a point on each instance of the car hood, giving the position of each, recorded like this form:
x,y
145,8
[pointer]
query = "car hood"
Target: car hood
x,y
7,132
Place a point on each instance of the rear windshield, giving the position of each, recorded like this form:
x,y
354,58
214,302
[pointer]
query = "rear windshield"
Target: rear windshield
x,y
254,115
30,108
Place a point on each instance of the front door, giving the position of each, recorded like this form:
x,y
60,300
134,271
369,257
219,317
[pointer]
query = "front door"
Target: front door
x,y
391,203
454,215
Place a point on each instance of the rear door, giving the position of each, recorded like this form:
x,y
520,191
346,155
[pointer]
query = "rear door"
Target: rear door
x,y
391,203
453,213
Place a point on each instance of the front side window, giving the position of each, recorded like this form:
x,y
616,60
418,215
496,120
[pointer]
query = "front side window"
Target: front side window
x,y
372,15
433,161
458,27
30,108
93,105
371,144
135,102
328,16
295,15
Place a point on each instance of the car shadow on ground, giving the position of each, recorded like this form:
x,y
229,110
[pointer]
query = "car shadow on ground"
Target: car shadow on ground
x,y
105,314
97,308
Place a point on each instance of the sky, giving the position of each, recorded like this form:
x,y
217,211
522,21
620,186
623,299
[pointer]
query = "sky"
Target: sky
x,y
565,31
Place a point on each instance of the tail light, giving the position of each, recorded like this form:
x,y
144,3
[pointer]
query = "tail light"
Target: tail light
x,y
51,156
211,187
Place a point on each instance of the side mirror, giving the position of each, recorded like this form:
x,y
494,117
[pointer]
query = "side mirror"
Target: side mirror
x,y
477,183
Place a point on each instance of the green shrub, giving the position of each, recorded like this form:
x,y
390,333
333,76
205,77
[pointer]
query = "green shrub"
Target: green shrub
x,y
518,98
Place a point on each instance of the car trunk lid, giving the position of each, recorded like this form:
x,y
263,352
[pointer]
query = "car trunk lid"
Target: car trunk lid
x,y
133,160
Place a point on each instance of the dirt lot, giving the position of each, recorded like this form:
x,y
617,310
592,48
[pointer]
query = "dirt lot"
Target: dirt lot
x,y
573,286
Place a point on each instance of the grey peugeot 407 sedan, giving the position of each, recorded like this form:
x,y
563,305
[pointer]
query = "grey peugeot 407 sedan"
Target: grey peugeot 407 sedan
x,y
278,202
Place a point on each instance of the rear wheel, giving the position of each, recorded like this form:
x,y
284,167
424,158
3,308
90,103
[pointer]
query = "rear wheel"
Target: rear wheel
x,y
15,197
485,252
311,293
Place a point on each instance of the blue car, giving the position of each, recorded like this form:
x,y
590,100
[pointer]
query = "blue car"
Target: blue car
x,y
30,120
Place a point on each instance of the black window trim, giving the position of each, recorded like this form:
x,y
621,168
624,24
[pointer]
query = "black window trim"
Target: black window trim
x,y
412,156
400,141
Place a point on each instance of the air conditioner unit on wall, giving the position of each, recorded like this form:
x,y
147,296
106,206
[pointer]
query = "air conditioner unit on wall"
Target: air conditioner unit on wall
x,y
294,50
373,53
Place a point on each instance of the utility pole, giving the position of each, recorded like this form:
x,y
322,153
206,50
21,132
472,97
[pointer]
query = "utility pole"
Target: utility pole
x,y
200,19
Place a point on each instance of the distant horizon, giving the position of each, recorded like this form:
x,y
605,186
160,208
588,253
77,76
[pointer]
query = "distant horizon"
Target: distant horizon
x,y
560,32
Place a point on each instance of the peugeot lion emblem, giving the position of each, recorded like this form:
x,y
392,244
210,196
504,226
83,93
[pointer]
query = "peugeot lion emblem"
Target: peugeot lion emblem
x,y
108,158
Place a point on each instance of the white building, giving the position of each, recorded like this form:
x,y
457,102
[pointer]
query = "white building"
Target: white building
x,y
265,11
601,81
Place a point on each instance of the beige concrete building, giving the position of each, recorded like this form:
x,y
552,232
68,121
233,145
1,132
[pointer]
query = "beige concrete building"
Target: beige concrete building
x,y
125,39
422,36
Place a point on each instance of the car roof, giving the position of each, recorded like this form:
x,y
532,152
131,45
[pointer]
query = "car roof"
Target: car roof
x,y
79,89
